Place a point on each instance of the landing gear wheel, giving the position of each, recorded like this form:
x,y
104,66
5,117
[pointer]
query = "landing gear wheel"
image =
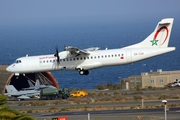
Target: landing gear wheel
x,y
86,72
83,72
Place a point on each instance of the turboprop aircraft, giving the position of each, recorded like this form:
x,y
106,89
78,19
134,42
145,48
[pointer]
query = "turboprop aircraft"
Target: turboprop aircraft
x,y
72,58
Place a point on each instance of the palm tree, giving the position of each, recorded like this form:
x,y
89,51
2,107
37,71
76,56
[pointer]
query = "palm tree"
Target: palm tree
x,y
7,114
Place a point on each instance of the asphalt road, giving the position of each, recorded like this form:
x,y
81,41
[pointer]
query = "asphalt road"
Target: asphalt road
x,y
130,114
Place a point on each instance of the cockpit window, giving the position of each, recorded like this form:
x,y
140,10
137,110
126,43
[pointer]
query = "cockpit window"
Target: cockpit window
x,y
18,61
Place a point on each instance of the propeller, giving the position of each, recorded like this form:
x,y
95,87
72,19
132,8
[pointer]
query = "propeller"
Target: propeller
x,y
57,55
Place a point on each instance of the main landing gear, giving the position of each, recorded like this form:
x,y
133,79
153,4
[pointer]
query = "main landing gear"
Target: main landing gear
x,y
83,72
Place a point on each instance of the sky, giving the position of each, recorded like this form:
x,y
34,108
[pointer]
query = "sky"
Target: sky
x,y
17,12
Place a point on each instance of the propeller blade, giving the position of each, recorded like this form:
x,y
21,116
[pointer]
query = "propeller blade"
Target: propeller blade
x,y
57,55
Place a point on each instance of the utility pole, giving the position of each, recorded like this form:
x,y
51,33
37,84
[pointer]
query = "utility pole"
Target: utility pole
x,y
165,110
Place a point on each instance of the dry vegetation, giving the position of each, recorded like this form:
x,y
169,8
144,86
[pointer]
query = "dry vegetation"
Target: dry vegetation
x,y
100,97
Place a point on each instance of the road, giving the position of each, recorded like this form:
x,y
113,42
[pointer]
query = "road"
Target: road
x,y
130,114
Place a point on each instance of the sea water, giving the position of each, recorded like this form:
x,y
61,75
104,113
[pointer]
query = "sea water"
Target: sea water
x,y
18,40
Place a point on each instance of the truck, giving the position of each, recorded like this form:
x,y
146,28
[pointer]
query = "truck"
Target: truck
x,y
54,93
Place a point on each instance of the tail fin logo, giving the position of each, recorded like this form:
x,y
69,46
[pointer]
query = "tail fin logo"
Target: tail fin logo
x,y
154,41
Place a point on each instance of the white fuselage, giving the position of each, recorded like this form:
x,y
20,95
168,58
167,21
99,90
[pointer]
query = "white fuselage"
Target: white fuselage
x,y
96,59
83,60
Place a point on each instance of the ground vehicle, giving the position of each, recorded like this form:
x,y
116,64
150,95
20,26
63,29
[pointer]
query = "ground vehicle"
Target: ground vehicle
x,y
176,83
79,94
51,93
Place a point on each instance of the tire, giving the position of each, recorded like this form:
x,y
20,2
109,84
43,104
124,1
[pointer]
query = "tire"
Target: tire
x,y
64,97
86,72
81,72
53,98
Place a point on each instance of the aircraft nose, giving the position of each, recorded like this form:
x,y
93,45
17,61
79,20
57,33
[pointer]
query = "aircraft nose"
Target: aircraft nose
x,y
9,68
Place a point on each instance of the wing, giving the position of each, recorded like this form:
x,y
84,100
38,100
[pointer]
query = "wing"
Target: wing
x,y
23,97
76,51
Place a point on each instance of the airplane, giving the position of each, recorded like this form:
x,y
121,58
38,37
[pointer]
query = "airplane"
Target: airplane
x,y
73,58
38,86
22,94
30,83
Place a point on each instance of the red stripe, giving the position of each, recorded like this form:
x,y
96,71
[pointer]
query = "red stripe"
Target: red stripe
x,y
167,32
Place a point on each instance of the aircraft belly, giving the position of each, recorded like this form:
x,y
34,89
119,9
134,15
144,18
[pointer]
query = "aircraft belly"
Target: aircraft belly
x,y
69,65
114,61
89,66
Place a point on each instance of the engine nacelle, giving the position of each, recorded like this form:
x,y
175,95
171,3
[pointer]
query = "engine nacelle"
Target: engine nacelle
x,y
63,54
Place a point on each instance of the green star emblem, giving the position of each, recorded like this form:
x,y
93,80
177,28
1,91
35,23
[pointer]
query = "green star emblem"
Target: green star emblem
x,y
154,42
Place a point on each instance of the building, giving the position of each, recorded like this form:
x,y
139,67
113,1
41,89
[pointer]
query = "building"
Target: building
x,y
21,81
153,79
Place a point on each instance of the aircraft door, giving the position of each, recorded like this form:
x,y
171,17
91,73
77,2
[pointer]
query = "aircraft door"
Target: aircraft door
x,y
129,55
35,63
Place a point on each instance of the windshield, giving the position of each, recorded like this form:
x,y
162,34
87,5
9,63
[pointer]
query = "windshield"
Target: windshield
x,y
18,61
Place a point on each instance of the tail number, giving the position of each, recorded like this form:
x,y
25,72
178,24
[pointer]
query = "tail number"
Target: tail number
x,y
139,53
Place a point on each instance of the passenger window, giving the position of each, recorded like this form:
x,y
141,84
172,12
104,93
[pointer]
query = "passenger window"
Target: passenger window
x,y
77,58
91,57
112,55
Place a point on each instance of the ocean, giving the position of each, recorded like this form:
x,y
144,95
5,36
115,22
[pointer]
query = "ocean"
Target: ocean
x,y
18,40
